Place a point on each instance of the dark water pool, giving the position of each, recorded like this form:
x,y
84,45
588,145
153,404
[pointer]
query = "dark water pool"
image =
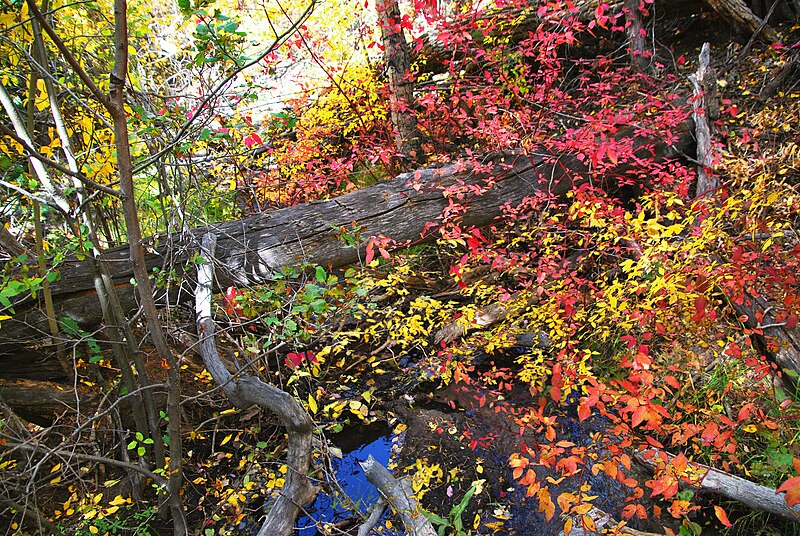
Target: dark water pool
x,y
333,508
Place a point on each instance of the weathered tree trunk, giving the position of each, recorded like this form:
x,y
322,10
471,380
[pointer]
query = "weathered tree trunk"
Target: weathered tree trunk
x,y
634,28
252,250
705,108
401,88
737,13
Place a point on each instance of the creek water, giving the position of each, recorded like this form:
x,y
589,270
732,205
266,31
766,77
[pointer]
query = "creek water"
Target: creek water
x,y
354,489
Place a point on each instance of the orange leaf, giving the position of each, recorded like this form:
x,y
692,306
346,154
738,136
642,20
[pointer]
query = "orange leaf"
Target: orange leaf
x,y
722,516
792,489
588,523
680,463
584,412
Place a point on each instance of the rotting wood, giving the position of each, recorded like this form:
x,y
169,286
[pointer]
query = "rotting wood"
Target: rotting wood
x,y
41,402
709,479
741,17
245,391
253,249
399,496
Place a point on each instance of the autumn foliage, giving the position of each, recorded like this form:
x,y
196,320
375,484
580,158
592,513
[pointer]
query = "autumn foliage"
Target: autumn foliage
x,y
631,283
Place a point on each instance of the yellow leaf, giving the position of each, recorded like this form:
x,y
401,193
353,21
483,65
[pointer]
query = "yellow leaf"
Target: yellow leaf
x,y
42,101
93,529
55,481
367,396
117,501
55,468
4,317
312,404
233,500
112,510
568,526
750,428
227,438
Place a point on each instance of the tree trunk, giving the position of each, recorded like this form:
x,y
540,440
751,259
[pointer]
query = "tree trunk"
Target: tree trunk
x,y
705,108
401,88
739,15
634,28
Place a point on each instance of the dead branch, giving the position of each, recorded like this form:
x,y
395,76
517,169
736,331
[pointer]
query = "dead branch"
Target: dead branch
x,y
399,496
244,391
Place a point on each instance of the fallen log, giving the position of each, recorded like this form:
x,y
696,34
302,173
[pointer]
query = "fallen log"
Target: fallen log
x,y
713,480
39,402
779,342
739,15
253,249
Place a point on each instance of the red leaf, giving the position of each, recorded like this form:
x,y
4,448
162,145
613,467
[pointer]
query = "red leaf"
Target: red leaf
x,y
700,308
791,321
293,359
584,412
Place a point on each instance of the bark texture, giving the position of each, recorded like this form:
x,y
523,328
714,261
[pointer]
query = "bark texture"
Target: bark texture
x,y
401,88
244,391
253,249
636,35
705,108
739,15
399,496
732,487
779,342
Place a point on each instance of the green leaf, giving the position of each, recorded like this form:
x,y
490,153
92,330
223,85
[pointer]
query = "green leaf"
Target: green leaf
x,y
433,518
321,275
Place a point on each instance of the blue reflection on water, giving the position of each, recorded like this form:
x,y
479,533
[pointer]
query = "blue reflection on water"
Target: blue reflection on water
x,y
327,509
